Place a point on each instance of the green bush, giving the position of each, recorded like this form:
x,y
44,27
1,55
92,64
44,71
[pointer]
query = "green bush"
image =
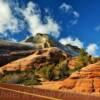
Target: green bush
x,y
31,77
83,58
21,77
30,81
54,72
60,71
46,72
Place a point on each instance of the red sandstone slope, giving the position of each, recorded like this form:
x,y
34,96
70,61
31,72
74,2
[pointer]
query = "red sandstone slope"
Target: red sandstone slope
x,y
85,80
38,59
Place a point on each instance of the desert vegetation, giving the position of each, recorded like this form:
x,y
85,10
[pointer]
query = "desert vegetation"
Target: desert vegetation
x,y
54,71
36,75
20,77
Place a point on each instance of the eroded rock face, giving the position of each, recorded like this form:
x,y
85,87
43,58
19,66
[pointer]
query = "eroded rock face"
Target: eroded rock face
x,y
86,80
41,40
7,58
40,58
10,51
72,62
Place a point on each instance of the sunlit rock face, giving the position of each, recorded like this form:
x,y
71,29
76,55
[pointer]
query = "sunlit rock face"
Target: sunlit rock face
x,y
40,58
85,80
46,41
10,51
73,62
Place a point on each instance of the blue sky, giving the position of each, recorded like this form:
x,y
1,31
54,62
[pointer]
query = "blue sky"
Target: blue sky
x,y
70,21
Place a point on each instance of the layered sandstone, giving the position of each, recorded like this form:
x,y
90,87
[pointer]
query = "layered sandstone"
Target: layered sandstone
x,y
85,80
38,59
72,62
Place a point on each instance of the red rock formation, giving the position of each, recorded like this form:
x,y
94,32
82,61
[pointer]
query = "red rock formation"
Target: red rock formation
x,y
72,62
86,80
9,57
40,58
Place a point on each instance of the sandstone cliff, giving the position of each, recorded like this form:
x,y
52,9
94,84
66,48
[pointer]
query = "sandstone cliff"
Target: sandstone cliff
x,y
85,80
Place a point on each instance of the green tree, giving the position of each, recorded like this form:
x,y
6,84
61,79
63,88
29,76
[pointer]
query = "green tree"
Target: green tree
x,y
60,71
83,58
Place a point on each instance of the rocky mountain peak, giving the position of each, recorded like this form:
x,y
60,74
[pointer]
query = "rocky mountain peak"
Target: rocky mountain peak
x,y
45,41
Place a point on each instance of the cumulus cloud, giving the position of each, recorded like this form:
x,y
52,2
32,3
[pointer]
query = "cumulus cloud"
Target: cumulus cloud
x,y
13,19
92,49
7,20
70,40
33,18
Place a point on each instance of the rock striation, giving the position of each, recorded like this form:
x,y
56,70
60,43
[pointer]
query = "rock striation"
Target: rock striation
x,y
10,51
46,41
38,59
86,80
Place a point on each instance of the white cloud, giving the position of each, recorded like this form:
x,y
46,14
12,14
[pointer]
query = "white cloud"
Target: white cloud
x,y
70,10
66,7
46,10
70,40
31,14
92,49
76,14
73,22
7,19
97,28
12,39
33,18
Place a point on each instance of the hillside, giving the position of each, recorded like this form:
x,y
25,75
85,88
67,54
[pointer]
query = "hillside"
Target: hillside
x,y
44,64
48,64
10,51
86,80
